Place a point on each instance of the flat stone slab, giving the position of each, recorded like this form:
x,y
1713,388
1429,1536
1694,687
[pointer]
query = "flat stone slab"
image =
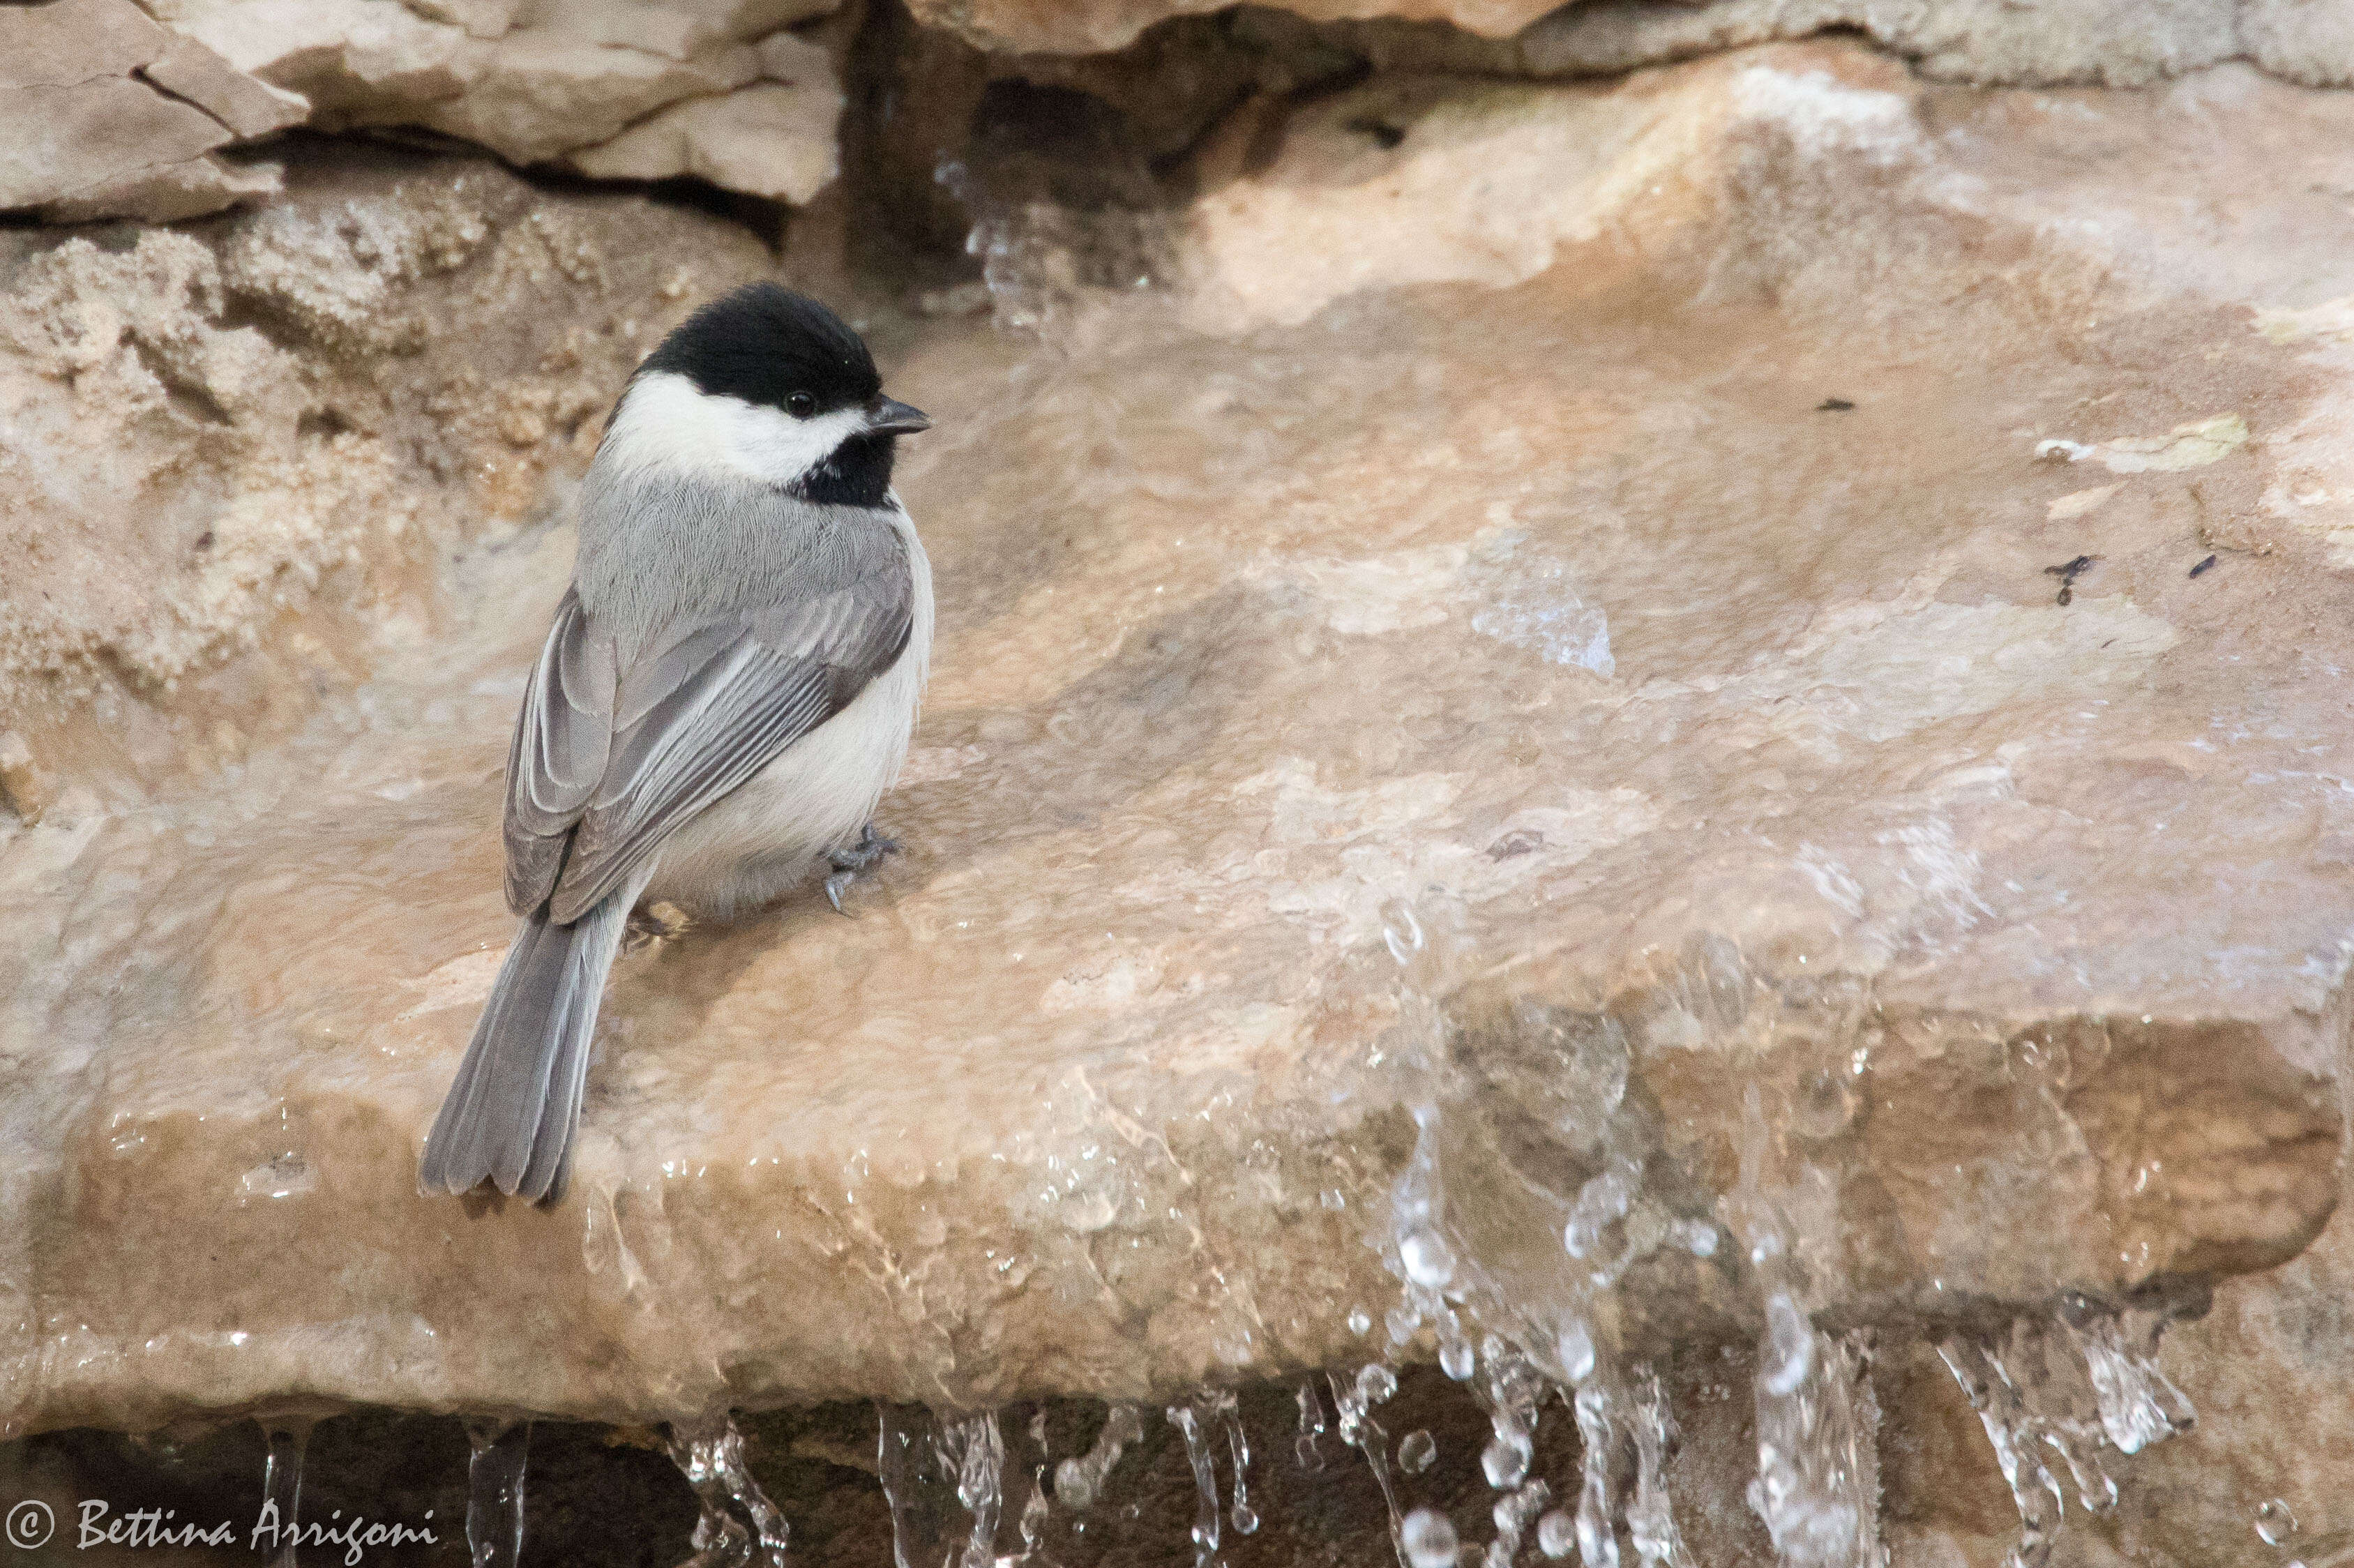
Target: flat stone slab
x,y
1853,819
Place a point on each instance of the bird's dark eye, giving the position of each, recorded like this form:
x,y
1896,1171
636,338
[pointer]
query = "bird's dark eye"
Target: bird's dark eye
x,y
800,405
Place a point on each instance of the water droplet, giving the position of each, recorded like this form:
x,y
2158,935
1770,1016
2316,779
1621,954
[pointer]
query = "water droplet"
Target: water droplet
x,y
1073,1485
1400,932
1078,1483
1556,1534
1376,1382
1417,1451
1457,1360
1361,1322
1697,1237
1430,1262
1576,1347
2274,1522
1429,1540
1789,1346
1504,1461
1511,1516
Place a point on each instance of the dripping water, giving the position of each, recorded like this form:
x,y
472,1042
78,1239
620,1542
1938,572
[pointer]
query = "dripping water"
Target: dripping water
x,y
1206,1483
934,1470
738,1526
1650,1518
1243,1517
1352,1399
2065,1389
974,1450
1306,1447
1032,1525
1818,1483
1597,1540
915,1485
495,1481
2053,1393
1509,1389
1079,1482
282,1485
1511,1516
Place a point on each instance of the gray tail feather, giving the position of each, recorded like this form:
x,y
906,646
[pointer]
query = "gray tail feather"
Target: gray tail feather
x,y
515,1106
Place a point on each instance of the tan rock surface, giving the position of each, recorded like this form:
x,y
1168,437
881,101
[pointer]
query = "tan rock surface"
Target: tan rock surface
x,y
1779,840
105,114
774,139
543,83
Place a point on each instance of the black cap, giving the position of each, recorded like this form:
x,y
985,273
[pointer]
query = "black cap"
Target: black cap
x,y
763,344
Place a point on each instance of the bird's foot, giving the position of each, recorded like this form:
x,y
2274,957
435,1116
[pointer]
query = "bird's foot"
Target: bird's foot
x,y
651,927
853,860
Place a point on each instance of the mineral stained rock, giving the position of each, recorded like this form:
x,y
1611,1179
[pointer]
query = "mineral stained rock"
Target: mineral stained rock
x,y
1630,766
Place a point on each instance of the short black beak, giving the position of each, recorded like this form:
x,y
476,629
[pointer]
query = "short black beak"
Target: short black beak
x,y
892,418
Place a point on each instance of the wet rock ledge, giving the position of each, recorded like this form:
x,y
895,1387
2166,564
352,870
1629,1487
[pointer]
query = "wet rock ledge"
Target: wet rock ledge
x,y
1692,716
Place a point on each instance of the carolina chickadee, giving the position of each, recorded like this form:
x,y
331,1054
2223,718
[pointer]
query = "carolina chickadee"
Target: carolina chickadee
x,y
726,691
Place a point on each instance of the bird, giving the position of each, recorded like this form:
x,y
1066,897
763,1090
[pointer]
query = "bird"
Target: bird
x,y
728,687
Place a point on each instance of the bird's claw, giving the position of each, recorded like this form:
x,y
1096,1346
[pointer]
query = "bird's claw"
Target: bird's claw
x,y
871,847
653,926
851,860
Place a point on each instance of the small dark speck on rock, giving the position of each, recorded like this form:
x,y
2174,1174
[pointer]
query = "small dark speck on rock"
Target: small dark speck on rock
x,y
1384,134
1524,841
2202,566
1833,406
2068,572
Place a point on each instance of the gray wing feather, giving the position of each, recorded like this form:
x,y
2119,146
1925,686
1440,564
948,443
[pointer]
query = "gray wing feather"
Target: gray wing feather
x,y
562,739
717,704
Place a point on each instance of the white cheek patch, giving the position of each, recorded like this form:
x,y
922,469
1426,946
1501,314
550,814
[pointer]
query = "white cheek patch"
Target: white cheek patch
x,y
665,424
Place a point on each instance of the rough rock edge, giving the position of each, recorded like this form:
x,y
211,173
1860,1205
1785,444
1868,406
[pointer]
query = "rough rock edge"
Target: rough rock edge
x,y
755,139
1958,41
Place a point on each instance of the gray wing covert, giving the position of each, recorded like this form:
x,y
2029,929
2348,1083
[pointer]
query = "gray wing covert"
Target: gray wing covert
x,y
715,703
